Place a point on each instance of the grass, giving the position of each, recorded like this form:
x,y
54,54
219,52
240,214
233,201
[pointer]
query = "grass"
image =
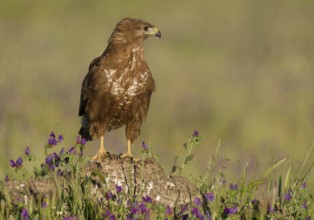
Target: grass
x,y
245,73
268,197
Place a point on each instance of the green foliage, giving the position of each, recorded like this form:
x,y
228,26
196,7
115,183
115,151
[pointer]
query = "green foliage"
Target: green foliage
x,y
194,139
77,196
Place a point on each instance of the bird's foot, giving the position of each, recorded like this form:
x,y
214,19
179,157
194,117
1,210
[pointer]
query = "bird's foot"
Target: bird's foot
x,y
101,155
128,155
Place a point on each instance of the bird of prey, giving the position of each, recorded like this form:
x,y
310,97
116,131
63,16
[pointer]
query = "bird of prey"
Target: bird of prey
x,y
117,88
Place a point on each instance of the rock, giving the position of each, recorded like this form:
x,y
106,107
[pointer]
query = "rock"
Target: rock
x,y
137,178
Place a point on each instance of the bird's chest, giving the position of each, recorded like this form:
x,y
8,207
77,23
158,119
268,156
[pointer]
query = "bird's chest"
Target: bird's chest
x,y
122,97
126,84
121,107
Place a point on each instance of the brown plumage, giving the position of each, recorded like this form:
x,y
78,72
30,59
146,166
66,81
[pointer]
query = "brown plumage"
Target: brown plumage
x,y
117,88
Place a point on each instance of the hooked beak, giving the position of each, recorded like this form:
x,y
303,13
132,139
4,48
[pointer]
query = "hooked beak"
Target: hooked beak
x,y
158,34
154,32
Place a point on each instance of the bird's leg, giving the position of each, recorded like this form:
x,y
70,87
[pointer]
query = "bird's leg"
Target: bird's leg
x,y
128,153
102,151
129,148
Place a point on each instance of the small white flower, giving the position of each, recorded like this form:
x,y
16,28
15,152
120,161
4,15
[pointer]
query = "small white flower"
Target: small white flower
x,y
158,197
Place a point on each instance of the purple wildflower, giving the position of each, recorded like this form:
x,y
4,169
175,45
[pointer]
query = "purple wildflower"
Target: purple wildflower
x,y
109,195
78,139
52,142
184,208
231,211
147,199
288,196
17,164
183,211
24,214
55,156
51,166
109,215
210,197
308,218
49,162
118,188
6,179
196,212
13,164
60,138
72,150
143,208
195,133
49,159
44,205
197,201
254,202
270,209
303,186
52,139
19,161
27,151
83,141
168,210
144,146
52,135
134,210
233,186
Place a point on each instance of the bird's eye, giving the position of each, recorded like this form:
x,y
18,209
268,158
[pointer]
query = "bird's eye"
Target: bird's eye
x,y
145,28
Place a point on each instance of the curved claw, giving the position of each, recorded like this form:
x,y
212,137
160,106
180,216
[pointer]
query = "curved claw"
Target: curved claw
x,y
128,155
100,156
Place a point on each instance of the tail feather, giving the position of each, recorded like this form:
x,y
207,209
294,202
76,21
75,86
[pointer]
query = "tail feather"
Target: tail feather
x,y
84,132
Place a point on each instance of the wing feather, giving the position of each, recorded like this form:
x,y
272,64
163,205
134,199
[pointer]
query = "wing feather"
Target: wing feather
x,y
88,85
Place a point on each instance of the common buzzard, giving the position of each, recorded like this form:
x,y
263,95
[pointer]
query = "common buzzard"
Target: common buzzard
x,y
117,88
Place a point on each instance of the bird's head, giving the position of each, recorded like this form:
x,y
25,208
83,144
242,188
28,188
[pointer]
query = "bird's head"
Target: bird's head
x,y
130,30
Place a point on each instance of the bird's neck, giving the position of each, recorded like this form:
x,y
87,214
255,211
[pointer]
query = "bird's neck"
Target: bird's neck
x,y
125,50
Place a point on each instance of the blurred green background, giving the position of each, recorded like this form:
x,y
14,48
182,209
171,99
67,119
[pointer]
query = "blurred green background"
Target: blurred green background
x,y
241,72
